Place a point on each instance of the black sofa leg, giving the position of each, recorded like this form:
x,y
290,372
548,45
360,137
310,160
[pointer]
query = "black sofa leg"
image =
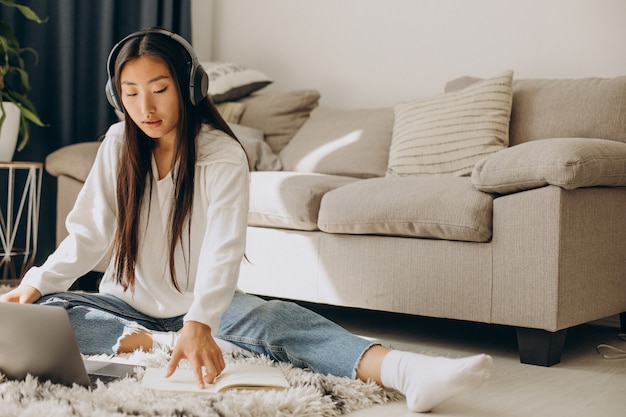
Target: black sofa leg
x,y
622,321
540,347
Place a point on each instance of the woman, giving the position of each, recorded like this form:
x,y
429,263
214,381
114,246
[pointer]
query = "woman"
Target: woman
x,y
167,197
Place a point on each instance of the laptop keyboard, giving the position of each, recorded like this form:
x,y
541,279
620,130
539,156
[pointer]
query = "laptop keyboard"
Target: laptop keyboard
x,y
106,379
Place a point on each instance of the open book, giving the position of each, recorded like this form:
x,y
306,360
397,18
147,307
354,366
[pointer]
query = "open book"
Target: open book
x,y
234,376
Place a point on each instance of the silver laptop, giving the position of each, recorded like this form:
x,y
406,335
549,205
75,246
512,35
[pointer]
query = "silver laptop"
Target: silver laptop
x,y
39,340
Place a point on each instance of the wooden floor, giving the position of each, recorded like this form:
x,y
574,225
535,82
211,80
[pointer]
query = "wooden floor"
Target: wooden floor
x,y
583,385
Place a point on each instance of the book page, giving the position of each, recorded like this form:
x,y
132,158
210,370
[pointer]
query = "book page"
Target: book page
x,y
234,376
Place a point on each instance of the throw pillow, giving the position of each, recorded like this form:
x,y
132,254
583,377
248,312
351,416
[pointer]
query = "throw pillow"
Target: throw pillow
x,y
231,111
449,133
565,162
230,82
279,115
354,143
260,155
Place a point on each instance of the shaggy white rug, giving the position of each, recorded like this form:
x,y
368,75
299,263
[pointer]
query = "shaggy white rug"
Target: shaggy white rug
x,y
310,394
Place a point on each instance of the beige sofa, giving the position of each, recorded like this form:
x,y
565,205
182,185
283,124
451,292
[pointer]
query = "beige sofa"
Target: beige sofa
x,y
532,236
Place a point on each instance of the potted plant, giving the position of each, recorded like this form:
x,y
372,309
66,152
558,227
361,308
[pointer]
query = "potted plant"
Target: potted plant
x,y
14,83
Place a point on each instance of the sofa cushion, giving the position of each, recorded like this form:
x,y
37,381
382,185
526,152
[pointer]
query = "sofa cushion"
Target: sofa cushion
x,y
73,161
342,142
230,82
564,108
565,162
437,207
278,115
449,133
289,200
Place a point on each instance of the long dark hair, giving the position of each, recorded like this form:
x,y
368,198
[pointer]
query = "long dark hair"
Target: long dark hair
x,y
135,172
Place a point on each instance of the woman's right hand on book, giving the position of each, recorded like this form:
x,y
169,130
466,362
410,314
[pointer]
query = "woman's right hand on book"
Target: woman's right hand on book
x,y
196,344
24,294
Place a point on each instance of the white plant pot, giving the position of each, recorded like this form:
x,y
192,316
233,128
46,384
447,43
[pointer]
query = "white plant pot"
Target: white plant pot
x,y
9,131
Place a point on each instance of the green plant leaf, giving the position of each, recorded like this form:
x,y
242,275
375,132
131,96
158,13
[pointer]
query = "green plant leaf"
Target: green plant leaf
x,y
25,10
7,32
5,54
25,133
25,84
32,117
4,114
25,105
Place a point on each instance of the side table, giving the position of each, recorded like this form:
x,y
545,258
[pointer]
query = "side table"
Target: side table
x,y
20,195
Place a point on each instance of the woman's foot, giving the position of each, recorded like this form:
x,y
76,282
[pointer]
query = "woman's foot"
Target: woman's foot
x,y
426,381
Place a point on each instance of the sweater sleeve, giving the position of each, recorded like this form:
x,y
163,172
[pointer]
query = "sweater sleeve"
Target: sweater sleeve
x,y
91,224
226,185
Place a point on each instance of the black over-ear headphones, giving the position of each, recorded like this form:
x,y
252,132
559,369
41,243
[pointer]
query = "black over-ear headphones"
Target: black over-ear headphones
x,y
198,78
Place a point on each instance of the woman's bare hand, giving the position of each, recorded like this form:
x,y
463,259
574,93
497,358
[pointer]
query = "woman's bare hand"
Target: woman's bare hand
x,y
196,344
24,294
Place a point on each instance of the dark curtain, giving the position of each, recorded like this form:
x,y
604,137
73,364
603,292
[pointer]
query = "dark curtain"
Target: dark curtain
x,y
68,79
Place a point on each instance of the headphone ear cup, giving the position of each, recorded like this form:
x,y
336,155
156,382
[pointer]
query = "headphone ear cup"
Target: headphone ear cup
x,y
111,97
200,87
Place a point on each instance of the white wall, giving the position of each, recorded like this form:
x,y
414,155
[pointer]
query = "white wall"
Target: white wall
x,y
370,53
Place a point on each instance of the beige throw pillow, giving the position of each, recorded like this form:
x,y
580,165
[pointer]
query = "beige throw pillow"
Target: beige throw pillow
x,y
260,155
279,115
449,133
231,111
565,162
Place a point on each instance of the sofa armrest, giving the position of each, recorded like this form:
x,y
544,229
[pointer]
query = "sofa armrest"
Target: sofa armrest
x,y
568,163
73,161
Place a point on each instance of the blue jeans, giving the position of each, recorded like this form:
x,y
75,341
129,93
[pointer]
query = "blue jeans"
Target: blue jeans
x,y
284,331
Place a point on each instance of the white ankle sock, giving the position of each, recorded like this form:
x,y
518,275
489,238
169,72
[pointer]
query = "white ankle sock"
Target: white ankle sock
x,y
427,381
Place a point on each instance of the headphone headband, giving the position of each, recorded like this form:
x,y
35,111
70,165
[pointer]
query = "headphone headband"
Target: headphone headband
x,y
198,78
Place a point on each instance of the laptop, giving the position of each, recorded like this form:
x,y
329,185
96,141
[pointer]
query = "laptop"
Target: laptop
x,y
39,340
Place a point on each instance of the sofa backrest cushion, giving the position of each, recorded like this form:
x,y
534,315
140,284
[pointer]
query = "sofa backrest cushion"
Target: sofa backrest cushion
x,y
564,108
278,115
342,142
436,207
